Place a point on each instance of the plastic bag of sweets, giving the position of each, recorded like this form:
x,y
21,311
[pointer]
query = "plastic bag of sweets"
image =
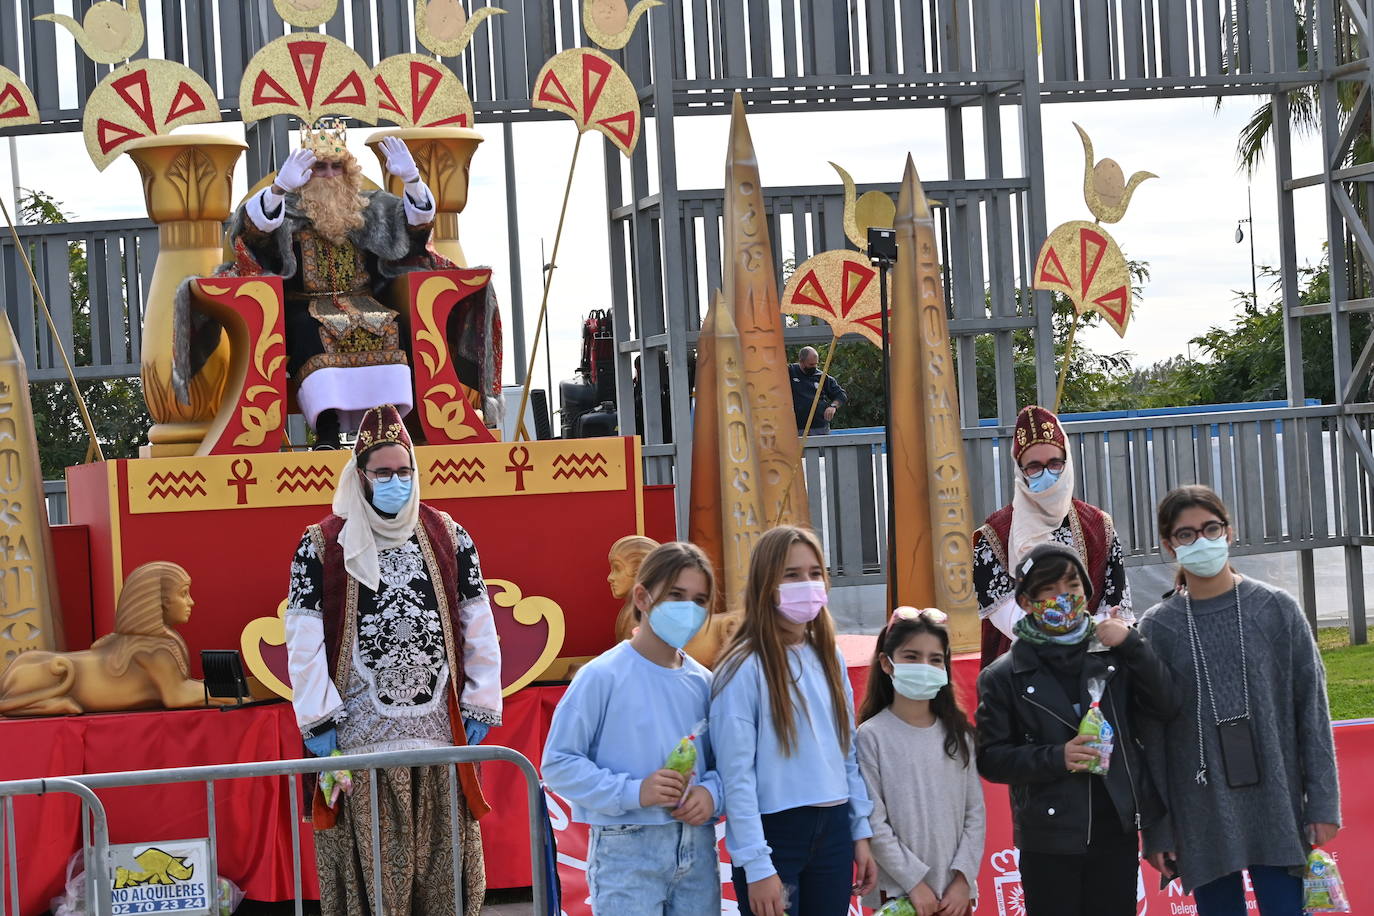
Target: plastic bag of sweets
x,y
334,783
1096,725
1322,888
897,906
683,758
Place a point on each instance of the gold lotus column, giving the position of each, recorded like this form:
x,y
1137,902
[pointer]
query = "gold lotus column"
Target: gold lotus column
x,y
29,617
742,492
188,187
444,156
947,477
751,295
911,581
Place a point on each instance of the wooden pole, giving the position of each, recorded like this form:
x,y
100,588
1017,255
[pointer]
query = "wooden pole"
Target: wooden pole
x,y
1064,369
522,434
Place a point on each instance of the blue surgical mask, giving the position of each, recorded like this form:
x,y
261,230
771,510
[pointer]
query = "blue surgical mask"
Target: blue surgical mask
x,y
1042,481
916,681
1204,557
676,622
390,496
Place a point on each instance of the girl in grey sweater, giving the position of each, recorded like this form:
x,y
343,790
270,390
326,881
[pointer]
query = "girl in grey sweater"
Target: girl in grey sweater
x,y
916,756
1248,769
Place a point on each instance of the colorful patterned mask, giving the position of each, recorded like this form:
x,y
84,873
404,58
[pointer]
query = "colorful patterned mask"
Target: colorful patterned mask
x,y
1060,614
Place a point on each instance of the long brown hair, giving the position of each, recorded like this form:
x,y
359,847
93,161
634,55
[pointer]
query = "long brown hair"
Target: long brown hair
x,y
661,567
760,633
945,704
1179,499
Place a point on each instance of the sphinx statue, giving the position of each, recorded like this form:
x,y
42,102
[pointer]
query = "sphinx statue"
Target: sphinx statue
x,y
143,664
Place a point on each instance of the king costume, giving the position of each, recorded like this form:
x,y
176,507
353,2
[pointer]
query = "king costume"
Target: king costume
x,y
391,643
1052,515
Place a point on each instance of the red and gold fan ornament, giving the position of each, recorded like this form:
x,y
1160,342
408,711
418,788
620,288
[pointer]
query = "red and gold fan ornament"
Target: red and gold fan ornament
x,y
594,91
841,288
308,75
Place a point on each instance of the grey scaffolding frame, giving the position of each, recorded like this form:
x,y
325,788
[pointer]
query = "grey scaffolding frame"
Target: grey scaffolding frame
x,y
965,58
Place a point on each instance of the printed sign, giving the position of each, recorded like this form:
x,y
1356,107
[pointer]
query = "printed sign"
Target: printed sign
x,y
170,877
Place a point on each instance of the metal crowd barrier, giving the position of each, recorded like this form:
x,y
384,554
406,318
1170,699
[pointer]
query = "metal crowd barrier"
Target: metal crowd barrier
x,y
95,830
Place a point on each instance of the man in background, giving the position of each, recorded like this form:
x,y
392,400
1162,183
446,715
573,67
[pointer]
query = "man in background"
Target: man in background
x,y
806,378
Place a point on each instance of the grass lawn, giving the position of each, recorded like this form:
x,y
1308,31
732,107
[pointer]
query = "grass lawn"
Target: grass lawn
x,y
1349,674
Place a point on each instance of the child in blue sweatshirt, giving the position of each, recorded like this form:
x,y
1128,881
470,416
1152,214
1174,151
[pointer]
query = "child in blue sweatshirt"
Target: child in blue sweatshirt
x,y
653,839
782,725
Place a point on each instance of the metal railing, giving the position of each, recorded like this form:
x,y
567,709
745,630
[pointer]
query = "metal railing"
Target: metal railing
x,y
1275,469
95,831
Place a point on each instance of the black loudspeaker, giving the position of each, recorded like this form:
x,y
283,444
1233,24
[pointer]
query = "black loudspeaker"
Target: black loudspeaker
x,y
224,675
539,403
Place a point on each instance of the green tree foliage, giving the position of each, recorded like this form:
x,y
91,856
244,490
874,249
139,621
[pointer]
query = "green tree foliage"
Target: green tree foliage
x,y
1247,362
116,405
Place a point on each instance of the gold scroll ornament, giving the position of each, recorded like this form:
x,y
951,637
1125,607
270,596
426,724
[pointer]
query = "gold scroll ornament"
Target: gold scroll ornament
x,y
29,617
947,482
751,297
527,610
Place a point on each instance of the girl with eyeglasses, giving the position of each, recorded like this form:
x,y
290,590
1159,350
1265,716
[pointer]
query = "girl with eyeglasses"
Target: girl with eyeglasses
x,y
916,754
1249,767
653,839
783,731
1076,826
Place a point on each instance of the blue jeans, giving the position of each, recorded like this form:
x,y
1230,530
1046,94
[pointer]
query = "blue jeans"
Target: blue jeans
x,y
1278,893
814,854
655,869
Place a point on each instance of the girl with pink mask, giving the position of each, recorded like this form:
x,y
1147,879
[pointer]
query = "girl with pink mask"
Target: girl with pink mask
x,y
782,725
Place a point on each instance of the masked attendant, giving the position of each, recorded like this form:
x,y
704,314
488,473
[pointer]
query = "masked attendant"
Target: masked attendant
x,y
782,727
1078,830
1043,510
916,754
613,751
806,378
392,647
335,245
1249,767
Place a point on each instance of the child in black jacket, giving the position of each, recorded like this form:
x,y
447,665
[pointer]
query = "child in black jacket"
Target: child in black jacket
x,y
1078,832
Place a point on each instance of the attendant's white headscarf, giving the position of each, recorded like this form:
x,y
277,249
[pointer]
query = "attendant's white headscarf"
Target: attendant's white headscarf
x,y
1035,516
365,530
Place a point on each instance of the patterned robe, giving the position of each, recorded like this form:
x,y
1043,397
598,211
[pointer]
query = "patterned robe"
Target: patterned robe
x,y
384,674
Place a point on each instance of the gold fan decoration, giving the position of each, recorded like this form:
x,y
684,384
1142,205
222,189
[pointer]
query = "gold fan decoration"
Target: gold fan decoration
x,y
841,288
306,14
1081,260
415,91
610,23
308,75
108,33
443,26
17,104
598,95
594,91
144,99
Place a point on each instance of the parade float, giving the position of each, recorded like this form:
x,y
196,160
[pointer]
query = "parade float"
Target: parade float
x,y
215,503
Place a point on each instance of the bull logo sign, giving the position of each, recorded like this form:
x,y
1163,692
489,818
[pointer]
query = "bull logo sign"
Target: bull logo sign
x,y
170,877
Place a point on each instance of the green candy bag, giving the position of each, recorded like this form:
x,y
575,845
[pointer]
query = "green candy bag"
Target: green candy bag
x,y
683,758
897,906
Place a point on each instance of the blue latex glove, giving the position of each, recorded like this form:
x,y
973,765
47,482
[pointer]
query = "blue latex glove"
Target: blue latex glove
x,y
476,731
323,744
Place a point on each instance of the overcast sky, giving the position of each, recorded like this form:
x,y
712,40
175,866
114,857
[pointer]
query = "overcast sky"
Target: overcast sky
x,y
1183,224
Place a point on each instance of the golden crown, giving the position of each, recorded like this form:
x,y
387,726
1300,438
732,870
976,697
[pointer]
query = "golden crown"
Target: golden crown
x,y
327,139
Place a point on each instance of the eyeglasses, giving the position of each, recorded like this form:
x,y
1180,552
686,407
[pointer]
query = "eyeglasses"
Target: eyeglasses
x,y
384,475
930,614
1211,531
1035,468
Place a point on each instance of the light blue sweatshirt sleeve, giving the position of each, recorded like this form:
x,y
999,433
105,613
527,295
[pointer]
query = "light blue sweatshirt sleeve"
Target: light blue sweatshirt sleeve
x,y
568,768
860,806
708,776
734,728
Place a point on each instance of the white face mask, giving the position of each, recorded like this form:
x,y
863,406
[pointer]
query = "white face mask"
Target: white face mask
x,y
917,681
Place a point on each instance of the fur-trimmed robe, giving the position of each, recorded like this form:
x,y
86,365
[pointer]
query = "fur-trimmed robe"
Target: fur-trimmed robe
x,y
392,246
